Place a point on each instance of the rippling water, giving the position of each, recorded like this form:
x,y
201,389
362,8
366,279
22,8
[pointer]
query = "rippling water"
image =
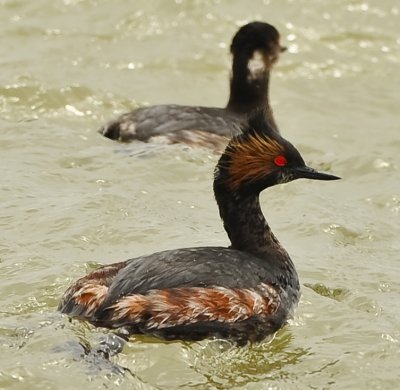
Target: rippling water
x,y
72,199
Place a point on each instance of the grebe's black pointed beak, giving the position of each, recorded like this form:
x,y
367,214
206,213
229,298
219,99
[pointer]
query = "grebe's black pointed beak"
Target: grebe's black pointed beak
x,y
310,173
283,49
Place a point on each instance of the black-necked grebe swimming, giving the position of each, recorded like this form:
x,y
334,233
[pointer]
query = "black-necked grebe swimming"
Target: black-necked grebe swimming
x,y
255,49
243,292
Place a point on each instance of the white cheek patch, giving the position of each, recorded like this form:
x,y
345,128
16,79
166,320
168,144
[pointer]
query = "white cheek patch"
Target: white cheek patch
x,y
256,65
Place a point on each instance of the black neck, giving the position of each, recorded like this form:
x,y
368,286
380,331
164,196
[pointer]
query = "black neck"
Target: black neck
x,y
248,94
245,224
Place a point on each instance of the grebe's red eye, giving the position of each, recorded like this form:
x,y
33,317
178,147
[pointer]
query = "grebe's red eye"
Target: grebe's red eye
x,y
280,161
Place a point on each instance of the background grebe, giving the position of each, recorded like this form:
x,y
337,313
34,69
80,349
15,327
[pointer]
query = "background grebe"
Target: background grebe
x,y
255,49
243,292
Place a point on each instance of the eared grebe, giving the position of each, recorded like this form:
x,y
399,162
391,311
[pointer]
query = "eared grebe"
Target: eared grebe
x,y
242,293
255,49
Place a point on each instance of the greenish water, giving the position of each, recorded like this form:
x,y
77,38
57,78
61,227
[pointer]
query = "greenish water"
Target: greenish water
x,y
71,199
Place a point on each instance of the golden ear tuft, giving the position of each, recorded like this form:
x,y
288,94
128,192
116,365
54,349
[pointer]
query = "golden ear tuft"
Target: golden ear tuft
x,y
251,158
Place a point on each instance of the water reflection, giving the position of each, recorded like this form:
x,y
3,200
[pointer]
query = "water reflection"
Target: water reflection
x,y
226,366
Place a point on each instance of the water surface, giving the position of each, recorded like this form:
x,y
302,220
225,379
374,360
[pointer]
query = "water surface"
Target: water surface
x,y
72,200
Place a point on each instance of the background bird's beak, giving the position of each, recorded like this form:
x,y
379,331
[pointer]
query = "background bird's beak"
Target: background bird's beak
x,y
283,49
310,173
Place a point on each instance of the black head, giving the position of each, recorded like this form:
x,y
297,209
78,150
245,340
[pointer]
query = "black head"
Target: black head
x,y
257,37
261,158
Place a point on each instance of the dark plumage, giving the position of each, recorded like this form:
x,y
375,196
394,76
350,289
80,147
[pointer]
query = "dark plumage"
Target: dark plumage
x,y
255,49
243,292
